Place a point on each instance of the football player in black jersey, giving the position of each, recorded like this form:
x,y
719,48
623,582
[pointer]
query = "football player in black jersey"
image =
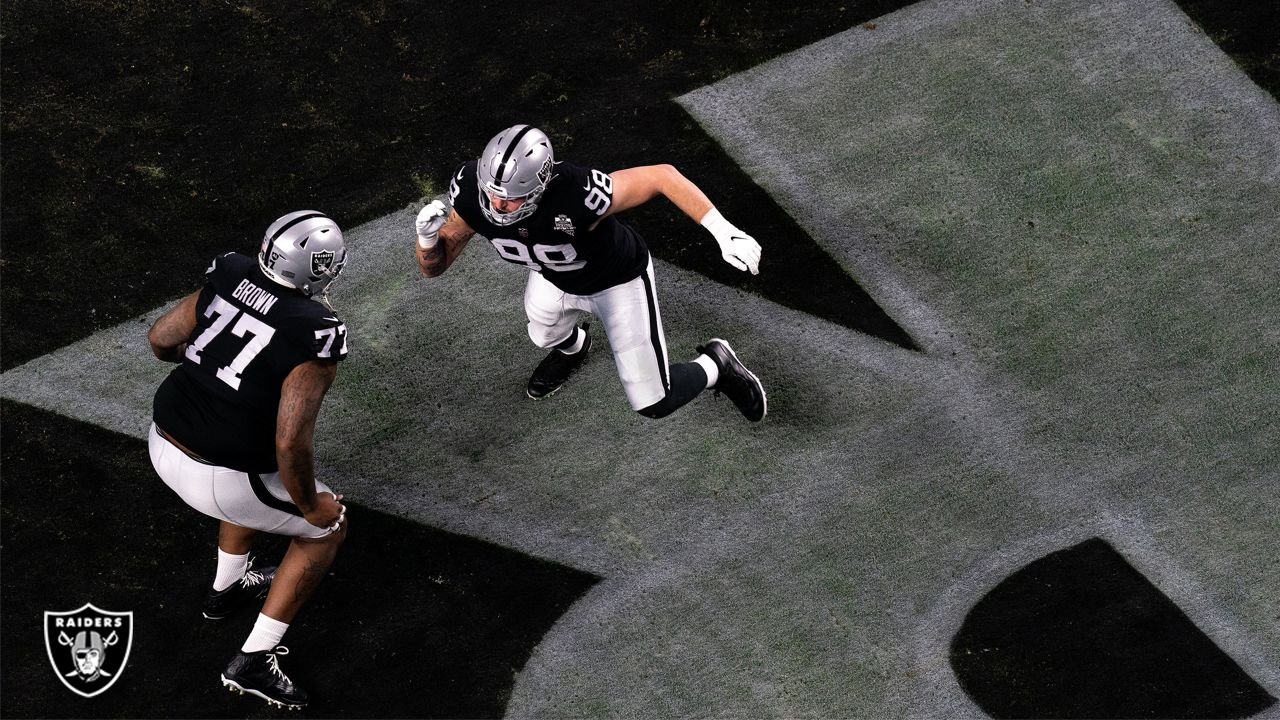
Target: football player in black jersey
x,y
257,349
557,219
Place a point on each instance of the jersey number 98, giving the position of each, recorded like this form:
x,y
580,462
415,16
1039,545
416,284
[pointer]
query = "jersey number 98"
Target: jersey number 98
x,y
552,257
601,195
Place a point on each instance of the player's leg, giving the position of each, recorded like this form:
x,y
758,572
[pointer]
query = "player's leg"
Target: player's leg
x,y
304,565
234,582
633,322
261,501
246,503
553,324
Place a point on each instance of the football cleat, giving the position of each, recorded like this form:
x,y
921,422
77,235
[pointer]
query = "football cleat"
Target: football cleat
x,y
554,370
737,382
259,673
218,604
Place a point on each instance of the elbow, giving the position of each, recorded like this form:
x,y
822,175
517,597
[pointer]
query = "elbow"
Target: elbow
x,y
158,348
289,443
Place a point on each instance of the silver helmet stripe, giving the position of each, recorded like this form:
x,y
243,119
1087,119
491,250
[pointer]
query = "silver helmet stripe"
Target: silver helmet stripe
x,y
506,157
284,228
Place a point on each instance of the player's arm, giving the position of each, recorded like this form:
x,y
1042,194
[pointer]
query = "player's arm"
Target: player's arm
x,y
442,236
168,334
638,185
300,399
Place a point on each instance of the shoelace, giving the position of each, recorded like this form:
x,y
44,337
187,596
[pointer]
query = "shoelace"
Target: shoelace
x,y
251,577
274,661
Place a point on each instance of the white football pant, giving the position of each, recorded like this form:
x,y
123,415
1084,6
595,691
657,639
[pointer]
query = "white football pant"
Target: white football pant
x,y
629,313
250,500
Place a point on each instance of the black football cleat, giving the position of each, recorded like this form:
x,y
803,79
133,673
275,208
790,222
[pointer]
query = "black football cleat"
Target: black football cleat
x,y
554,370
259,673
218,604
737,382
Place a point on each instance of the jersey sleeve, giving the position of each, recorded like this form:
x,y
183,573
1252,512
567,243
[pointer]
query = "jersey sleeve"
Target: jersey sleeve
x,y
316,334
224,273
328,340
464,193
590,195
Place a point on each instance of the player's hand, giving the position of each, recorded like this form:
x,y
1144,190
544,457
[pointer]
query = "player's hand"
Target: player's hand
x,y
736,247
327,513
430,219
741,251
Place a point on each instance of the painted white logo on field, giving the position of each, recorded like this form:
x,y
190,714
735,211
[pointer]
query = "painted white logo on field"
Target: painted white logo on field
x,y
88,647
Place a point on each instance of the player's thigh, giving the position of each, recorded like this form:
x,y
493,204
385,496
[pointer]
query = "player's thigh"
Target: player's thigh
x,y
551,312
260,501
633,323
254,501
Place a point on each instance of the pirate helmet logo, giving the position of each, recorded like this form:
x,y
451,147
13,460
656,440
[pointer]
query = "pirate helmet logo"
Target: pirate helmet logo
x,y
321,262
88,647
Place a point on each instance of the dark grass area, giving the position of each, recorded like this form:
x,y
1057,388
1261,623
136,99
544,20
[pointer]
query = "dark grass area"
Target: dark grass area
x,y
411,622
1080,633
140,138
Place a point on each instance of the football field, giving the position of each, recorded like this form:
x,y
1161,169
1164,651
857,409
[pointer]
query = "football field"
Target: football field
x,y
1070,207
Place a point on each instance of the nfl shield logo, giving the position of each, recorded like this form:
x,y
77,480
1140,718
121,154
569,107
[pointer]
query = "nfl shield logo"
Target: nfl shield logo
x,y
88,647
321,262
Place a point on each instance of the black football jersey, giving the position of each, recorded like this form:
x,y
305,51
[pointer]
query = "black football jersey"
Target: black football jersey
x,y
221,401
557,239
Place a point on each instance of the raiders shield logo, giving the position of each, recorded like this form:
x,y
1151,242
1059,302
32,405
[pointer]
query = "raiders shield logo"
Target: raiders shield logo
x,y
88,647
321,262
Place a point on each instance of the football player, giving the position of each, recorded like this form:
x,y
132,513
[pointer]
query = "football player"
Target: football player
x,y
557,219
257,349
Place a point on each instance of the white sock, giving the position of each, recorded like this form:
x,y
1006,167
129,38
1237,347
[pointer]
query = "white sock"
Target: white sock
x,y
713,370
581,337
266,635
230,569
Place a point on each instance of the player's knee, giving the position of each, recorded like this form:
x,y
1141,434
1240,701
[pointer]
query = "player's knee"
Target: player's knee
x,y
333,538
548,336
542,335
660,409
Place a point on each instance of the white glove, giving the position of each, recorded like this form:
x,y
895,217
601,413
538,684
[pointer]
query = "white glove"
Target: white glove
x,y
736,247
430,219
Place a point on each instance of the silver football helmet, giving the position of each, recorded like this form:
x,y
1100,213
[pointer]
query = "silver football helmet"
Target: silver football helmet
x,y
517,163
303,250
